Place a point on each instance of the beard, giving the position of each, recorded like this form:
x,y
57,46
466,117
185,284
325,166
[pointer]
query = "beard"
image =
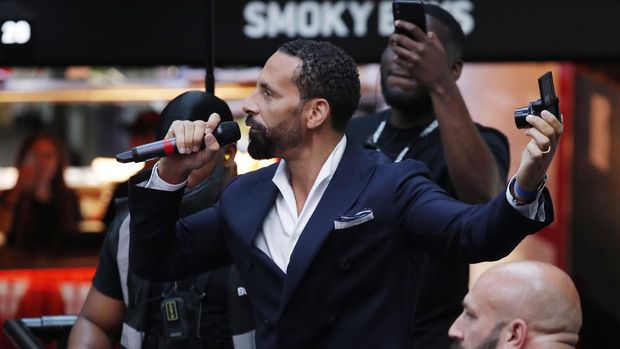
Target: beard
x,y
260,146
414,102
267,143
490,342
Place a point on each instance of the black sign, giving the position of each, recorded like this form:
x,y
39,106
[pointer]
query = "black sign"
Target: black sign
x,y
16,33
115,32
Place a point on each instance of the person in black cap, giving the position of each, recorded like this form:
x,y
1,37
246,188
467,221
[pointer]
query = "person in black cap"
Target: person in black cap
x,y
206,311
428,121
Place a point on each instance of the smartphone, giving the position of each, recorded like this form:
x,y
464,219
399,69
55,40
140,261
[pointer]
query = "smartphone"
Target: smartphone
x,y
410,11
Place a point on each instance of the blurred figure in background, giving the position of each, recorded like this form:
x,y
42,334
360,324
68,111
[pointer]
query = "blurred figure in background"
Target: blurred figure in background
x,y
526,305
40,209
141,131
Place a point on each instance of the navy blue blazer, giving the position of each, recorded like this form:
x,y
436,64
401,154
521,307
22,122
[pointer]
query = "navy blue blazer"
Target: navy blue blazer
x,y
344,288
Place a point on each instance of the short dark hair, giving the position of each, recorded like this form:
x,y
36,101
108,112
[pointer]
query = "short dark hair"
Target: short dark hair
x,y
327,72
456,40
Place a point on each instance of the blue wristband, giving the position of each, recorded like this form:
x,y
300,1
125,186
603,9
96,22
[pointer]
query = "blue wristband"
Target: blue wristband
x,y
526,195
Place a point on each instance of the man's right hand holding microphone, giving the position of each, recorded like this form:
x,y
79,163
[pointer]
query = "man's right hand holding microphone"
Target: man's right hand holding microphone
x,y
190,137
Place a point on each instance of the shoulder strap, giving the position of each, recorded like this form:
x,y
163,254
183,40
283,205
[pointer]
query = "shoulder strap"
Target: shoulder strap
x,y
119,228
122,245
122,208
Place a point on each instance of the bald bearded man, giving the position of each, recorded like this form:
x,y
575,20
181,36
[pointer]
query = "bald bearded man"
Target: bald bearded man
x,y
528,305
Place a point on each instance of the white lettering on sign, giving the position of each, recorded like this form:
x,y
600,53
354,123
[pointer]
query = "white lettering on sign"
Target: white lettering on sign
x,y
15,32
462,11
310,19
332,21
306,18
11,294
309,15
385,19
73,295
360,13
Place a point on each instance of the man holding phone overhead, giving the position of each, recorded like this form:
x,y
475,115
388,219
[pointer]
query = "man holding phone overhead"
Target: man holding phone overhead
x,y
429,121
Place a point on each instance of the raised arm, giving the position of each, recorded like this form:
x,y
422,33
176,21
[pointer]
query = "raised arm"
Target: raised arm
x,y
471,164
162,248
490,231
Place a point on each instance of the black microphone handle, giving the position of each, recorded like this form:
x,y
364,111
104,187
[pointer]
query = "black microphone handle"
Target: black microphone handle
x,y
226,133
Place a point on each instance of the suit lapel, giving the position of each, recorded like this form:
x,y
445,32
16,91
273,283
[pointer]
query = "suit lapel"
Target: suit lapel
x,y
348,181
255,202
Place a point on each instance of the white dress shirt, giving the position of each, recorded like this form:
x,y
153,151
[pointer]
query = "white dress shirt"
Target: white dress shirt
x,y
283,226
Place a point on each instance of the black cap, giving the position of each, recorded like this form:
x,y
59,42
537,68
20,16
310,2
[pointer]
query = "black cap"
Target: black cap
x,y
192,105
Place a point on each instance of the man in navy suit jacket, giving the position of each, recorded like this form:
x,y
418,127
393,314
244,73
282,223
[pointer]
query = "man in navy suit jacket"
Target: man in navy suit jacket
x,y
324,239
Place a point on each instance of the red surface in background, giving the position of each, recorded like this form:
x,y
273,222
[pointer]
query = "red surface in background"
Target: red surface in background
x,y
558,234
37,292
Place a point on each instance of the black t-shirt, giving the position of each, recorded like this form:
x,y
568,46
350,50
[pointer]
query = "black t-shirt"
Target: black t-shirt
x,y
107,279
445,281
214,295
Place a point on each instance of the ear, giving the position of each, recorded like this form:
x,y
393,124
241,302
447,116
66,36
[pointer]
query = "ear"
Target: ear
x,y
317,112
456,69
230,166
229,154
517,334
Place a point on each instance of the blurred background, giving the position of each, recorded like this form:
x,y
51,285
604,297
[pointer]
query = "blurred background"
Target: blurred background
x,y
98,74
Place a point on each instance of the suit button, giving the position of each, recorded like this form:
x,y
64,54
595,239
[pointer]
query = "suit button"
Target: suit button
x,y
267,322
248,265
344,264
331,320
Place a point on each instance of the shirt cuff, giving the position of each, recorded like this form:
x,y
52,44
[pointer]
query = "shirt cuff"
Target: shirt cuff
x,y
534,210
155,182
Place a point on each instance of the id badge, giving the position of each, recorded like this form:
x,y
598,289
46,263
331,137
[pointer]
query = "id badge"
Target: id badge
x,y
175,323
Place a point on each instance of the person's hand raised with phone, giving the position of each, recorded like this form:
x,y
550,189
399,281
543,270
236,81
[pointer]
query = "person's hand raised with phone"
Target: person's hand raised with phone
x,y
421,54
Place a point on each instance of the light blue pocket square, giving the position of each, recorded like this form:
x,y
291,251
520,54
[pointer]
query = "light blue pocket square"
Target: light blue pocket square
x,y
343,222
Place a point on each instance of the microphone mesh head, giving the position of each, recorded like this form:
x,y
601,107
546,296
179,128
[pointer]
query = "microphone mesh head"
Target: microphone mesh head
x,y
192,106
227,133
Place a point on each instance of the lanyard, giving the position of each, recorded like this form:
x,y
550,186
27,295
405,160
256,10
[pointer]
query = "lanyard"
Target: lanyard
x,y
428,129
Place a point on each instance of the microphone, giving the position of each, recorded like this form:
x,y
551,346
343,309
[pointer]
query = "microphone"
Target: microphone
x,y
226,132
